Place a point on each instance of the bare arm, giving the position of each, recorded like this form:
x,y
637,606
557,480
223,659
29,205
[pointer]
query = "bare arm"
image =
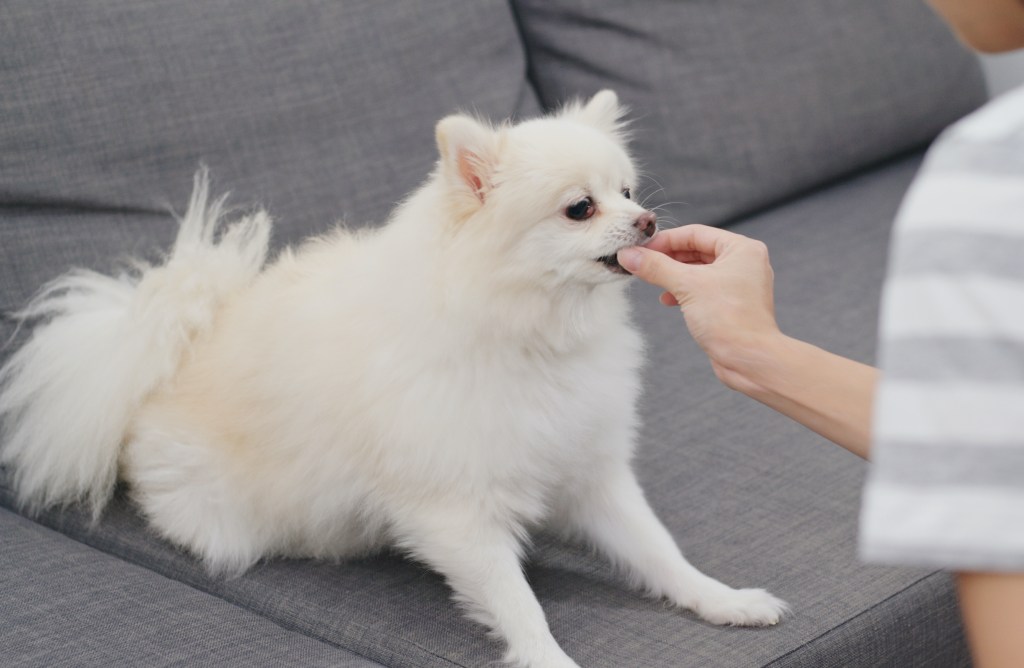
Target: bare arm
x,y
992,605
724,283
827,393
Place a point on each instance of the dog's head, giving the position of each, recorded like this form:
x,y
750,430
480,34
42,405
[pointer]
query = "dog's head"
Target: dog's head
x,y
554,195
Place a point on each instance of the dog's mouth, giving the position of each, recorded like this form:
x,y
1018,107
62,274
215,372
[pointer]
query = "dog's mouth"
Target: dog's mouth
x,y
648,230
612,263
646,224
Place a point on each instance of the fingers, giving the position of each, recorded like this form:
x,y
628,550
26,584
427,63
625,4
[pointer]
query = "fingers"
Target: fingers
x,y
691,257
676,260
701,240
654,267
662,260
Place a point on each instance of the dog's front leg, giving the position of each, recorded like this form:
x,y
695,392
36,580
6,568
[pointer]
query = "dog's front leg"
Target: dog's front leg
x,y
480,559
610,512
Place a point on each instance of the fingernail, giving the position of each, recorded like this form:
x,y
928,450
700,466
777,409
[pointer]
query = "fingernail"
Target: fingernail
x,y
630,258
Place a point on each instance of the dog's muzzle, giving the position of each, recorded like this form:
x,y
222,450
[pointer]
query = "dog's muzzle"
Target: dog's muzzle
x,y
647,224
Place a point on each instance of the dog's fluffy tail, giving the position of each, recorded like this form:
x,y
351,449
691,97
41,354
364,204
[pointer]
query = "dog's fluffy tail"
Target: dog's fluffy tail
x,y
68,396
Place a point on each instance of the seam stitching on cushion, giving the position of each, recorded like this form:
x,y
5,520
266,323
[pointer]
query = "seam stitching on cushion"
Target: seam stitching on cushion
x,y
849,620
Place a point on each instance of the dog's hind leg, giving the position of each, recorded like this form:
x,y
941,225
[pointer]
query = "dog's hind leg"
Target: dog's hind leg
x,y
184,490
480,559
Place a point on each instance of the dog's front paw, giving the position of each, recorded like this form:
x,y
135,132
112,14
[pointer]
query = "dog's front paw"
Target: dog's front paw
x,y
741,607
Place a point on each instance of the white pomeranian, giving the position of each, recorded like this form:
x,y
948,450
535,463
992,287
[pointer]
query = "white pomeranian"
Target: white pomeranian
x,y
442,385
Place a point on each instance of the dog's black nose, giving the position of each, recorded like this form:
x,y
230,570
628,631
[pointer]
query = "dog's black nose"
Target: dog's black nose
x,y
647,223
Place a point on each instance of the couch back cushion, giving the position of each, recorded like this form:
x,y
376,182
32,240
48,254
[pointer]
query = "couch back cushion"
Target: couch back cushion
x,y
316,110
740,104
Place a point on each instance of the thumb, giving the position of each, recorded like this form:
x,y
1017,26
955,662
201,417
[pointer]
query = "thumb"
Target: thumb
x,y
655,268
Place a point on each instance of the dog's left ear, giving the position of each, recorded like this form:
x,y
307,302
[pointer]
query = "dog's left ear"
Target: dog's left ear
x,y
469,153
603,111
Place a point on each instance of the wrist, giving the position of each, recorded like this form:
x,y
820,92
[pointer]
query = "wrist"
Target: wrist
x,y
749,364
826,393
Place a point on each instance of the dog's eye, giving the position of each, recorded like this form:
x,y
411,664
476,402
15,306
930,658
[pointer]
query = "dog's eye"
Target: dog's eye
x,y
626,193
581,210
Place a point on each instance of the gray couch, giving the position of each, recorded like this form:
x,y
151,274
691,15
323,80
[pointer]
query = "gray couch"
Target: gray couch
x,y
799,122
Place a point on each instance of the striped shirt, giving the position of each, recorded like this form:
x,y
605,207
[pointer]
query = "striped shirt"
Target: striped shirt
x,y
946,488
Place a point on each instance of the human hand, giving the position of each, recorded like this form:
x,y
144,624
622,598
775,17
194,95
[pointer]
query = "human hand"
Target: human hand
x,y
723,282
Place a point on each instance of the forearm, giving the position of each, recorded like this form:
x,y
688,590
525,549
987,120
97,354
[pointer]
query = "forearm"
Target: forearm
x,y
992,605
827,393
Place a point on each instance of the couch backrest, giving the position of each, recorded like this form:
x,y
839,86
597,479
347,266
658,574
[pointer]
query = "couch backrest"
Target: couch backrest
x,y
316,110
325,110
741,103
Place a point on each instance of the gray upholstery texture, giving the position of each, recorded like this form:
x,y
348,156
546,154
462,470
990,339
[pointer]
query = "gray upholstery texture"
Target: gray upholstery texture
x,y
739,104
318,111
753,499
67,605
325,110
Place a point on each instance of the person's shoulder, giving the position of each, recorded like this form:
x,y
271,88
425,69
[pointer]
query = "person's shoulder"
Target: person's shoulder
x,y
972,179
976,166
1000,121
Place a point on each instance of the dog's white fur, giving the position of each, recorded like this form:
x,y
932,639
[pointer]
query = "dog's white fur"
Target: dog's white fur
x,y
442,385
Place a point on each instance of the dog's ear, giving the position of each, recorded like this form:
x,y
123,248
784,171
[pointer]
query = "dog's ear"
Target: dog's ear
x,y
468,153
603,111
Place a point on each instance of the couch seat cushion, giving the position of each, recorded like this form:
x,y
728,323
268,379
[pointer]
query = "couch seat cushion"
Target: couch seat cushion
x,y
67,604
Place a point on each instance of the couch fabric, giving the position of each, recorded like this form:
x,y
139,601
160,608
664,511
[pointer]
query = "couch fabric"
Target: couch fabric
x,y
316,110
66,604
740,103
322,110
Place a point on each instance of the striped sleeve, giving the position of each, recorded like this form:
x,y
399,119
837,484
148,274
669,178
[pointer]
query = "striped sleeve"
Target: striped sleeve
x,y
946,487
